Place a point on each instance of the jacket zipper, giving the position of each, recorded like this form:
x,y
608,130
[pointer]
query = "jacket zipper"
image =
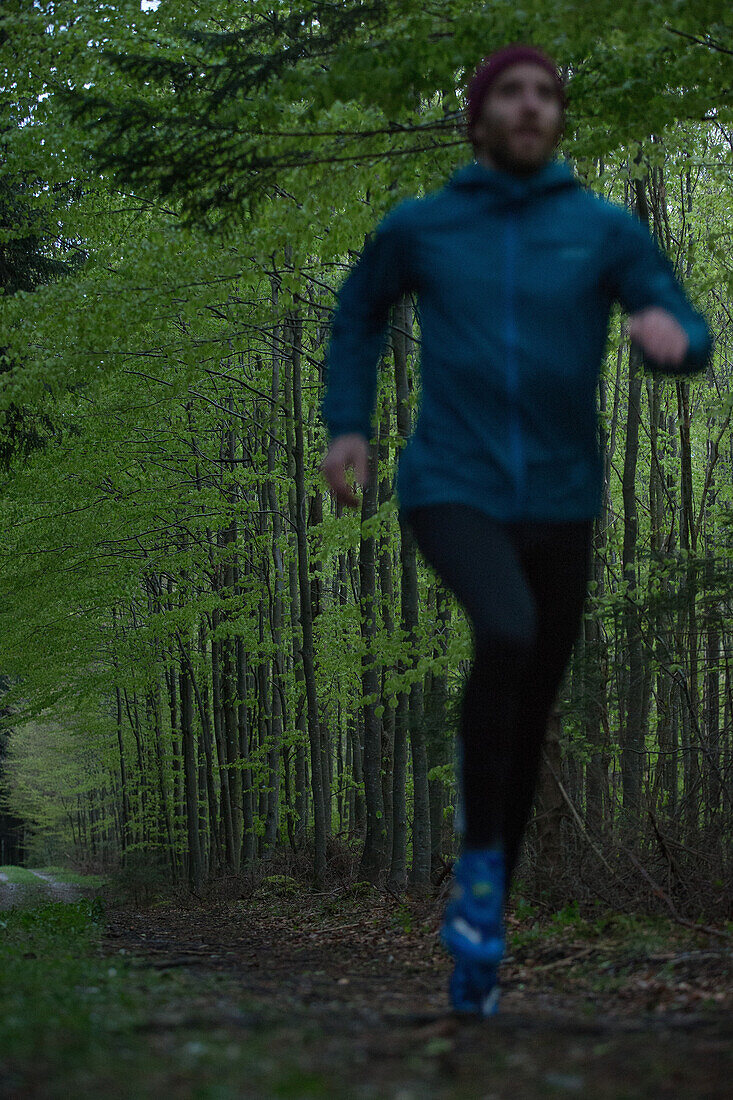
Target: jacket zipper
x,y
515,428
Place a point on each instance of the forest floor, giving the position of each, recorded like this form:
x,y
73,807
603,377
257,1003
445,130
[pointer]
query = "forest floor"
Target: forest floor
x,y
276,992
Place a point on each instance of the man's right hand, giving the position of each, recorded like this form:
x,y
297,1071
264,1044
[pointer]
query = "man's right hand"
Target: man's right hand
x,y
660,336
346,451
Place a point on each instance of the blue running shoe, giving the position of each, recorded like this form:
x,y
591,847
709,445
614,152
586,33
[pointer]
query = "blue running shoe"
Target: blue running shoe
x,y
473,928
474,989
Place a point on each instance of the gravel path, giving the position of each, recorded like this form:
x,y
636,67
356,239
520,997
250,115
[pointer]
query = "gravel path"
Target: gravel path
x,y
16,894
60,891
8,892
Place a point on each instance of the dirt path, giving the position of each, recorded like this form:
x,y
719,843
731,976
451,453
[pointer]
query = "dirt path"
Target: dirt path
x,y
59,891
17,894
358,996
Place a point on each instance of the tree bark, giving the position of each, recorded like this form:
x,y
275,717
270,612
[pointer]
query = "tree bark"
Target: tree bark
x,y
372,858
632,753
314,734
190,779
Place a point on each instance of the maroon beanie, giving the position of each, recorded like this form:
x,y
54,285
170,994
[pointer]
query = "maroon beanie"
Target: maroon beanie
x,y
495,63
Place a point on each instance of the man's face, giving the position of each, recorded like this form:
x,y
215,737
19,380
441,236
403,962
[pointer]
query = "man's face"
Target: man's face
x,y
521,120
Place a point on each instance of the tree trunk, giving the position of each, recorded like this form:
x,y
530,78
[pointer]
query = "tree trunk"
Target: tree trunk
x,y
190,779
688,616
319,855
439,738
248,827
632,753
221,753
123,778
386,588
550,807
273,758
301,724
374,842
409,704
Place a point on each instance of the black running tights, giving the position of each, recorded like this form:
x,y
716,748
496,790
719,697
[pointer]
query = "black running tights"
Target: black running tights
x,y
522,586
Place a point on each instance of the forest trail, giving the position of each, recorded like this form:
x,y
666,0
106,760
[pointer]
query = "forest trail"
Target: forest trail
x,y
58,891
8,892
23,894
357,998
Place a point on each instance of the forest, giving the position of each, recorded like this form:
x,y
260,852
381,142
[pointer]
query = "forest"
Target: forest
x,y
207,666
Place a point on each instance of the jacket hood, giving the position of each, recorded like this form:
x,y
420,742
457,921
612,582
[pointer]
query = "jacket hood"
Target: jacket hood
x,y
508,188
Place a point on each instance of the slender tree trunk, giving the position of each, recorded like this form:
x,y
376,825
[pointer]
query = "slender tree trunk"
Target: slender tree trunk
x,y
357,821
195,872
301,722
248,830
439,739
386,588
550,808
319,855
420,871
315,519
219,737
596,668
153,709
272,819
202,704
264,723
632,755
712,682
688,613
123,778
374,842
408,608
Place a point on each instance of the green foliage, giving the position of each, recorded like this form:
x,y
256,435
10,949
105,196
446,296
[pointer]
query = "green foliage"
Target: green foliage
x,y
226,166
403,918
282,885
567,916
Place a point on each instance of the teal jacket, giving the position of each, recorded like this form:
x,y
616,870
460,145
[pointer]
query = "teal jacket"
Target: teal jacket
x,y
515,280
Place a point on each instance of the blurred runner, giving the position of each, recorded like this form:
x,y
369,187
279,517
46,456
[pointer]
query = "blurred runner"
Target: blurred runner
x,y
515,267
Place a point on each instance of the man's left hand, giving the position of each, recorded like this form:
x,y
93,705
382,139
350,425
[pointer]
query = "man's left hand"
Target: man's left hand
x,y
659,335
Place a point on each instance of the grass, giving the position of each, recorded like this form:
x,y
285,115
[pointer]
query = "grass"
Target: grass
x,y
61,1000
77,1022
614,953
63,874
19,876
637,933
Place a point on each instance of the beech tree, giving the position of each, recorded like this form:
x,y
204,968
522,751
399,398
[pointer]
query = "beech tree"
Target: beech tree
x,y
253,669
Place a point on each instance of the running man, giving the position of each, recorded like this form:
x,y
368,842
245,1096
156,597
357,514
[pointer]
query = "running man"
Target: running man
x,y
515,267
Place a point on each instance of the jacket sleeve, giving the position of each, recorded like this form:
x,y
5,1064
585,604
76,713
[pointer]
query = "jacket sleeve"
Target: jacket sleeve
x,y
358,334
642,276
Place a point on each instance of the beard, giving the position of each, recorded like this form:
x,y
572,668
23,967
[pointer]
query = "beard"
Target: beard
x,y
502,150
